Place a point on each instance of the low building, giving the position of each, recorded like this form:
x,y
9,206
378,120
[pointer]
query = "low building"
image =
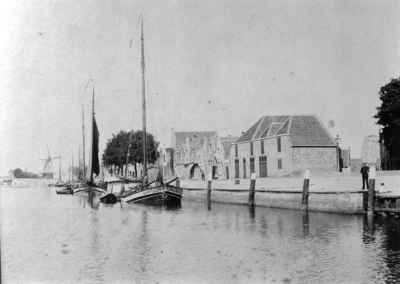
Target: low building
x,y
285,145
345,160
355,165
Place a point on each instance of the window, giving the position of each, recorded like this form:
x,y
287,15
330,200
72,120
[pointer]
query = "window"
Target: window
x,y
236,150
263,166
236,168
262,147
251,148
244,168
279,144
252,167
279,164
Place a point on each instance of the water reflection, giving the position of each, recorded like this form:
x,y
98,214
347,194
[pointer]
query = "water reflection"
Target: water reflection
x,y
252,212
305,223
193,242
382,236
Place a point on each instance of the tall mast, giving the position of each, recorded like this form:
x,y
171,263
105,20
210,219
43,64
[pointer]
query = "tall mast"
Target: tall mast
x,y
83,133
79,163
59,178
90,166
72,168
144,111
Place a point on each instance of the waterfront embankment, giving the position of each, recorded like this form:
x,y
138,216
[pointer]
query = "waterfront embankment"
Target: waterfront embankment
x,y
335,192
25,182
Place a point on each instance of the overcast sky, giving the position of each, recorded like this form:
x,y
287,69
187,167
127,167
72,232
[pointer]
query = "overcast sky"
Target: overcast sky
x,y
210,65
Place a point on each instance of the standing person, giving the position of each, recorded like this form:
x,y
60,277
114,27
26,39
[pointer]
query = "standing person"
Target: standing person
x,y
364,172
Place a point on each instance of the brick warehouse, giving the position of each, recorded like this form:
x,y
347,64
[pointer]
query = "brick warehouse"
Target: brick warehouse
x,y
282,146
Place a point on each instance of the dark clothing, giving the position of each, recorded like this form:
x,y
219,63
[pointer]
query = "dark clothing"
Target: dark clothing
x,y
365,181
364,172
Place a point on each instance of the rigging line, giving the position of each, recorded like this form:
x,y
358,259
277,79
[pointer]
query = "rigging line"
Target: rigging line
x,y
151,103
137,24
88,83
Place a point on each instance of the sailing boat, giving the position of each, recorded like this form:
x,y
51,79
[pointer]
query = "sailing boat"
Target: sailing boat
x,y
93,164
65,189
161,193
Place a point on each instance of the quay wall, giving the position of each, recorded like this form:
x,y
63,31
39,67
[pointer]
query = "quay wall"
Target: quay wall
x,y
339,193
333,202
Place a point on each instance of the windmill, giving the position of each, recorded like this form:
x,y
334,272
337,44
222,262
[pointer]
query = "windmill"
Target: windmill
x,y
48,169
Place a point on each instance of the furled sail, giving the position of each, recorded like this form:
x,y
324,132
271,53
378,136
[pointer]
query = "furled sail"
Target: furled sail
x,y
94,164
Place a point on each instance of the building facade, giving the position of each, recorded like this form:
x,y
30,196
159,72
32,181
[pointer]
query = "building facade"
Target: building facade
x,y
198,153
370,152
283,146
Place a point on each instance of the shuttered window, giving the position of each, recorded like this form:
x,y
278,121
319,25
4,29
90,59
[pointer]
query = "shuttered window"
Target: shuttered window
x,y
252,166
279,144
262,147
279,164
251,149
236,150
244,168
236,168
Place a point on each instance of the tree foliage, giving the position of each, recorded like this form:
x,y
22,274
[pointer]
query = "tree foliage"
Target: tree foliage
x,y
117,147
388,116
18,173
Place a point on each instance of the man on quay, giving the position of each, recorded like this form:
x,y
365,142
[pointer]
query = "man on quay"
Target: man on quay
x,y
364,172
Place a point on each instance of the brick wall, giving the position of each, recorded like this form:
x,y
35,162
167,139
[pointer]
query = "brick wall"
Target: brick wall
x,y
318,160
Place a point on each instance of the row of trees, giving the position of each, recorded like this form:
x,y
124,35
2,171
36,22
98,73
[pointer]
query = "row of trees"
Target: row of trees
x,y
18,173
117,148
388,117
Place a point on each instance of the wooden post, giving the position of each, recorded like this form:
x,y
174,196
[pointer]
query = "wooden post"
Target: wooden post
x,y
371,192
252,189
209,187
306,185
178,183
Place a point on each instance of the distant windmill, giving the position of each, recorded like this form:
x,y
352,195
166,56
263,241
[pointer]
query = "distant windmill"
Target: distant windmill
x,y
48,169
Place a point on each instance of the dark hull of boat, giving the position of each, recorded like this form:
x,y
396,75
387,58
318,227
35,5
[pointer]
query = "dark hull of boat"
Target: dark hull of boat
x,y
109,198
64,191
164,194
86,190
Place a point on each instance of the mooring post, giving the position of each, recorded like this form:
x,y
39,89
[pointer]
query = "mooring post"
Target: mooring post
x,y
178,183
252,189
209,178
306,185
371,191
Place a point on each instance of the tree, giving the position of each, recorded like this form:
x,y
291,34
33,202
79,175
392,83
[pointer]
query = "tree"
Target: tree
x,y
389,118
117,147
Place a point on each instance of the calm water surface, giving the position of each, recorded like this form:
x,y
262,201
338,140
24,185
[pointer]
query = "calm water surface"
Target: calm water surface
x,y
50,238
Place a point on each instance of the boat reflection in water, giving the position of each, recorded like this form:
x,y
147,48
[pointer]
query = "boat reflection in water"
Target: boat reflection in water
x,y
191,242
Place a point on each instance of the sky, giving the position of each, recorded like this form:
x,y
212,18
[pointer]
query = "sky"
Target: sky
x,y
210,65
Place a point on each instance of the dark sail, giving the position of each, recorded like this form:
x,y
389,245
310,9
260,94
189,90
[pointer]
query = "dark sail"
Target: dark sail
x,y
95,156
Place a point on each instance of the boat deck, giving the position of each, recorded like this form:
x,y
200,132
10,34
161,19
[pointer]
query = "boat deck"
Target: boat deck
x,y
387,203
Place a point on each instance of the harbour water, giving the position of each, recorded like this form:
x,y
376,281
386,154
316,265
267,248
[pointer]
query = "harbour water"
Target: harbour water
x,y
50,238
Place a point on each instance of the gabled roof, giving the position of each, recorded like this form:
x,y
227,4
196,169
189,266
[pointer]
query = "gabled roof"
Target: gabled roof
x,y
304,130
258,129
227,143
196,138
